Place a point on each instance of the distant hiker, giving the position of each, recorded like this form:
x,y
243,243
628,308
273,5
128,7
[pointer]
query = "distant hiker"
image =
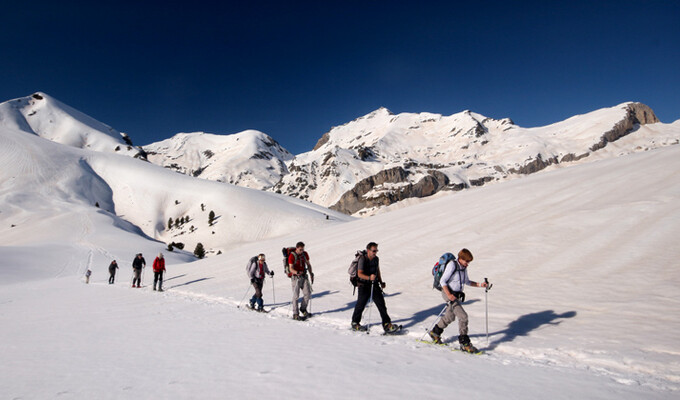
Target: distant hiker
x,y
112,271
370,280
257,269
298,264
158,269
137,264
454,277
87,275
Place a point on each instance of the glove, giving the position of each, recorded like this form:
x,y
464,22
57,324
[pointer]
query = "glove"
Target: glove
x,y
311,275
382,285
271,273
252,280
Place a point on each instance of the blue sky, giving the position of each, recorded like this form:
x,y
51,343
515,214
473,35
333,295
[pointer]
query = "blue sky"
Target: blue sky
x,y
295,69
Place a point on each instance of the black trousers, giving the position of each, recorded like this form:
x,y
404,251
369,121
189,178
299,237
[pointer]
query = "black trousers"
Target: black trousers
x,y
158,278
364,293
113,275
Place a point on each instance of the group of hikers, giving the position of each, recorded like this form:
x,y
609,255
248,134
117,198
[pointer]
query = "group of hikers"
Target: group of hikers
x,y
138,263
364,274
370,285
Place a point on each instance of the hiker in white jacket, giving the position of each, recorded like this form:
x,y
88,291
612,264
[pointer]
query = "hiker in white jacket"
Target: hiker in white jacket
x,y
257,269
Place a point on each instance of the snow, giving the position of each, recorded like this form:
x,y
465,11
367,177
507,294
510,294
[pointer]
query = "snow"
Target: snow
x,y
583,261
250,158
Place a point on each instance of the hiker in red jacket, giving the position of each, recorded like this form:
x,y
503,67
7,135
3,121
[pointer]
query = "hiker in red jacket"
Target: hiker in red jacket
x,y
298,263
158,269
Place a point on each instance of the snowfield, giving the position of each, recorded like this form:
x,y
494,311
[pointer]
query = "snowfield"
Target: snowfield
x,y
584,303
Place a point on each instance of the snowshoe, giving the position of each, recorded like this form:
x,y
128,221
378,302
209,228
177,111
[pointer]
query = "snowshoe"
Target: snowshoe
x,y
469,348
391,329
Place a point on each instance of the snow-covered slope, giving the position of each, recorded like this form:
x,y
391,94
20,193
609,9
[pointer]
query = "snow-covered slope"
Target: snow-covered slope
x,y
381,158
44,184
250,158
583,261
47,117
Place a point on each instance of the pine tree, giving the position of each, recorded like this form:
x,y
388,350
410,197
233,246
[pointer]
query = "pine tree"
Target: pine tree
x,y
211,218
199,251
170,224
177,222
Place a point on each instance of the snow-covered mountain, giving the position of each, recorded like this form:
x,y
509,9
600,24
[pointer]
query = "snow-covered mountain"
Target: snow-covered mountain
x,y
381,158
47,117
250,158
45,183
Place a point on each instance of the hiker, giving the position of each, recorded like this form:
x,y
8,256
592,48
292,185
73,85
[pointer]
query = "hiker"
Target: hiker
x,y
87,275
112,271
257,269
454,277
298,264
137,264
370,279
158,269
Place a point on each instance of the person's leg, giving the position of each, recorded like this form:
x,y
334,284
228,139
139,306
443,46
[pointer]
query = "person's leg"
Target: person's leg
x,y
379,301
363,294
306,294
295,282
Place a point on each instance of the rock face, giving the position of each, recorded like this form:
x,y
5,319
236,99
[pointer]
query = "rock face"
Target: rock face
x,y
636,114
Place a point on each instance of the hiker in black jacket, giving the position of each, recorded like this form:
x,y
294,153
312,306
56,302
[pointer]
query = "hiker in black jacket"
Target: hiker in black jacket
x,y
370,281
137,264
112,271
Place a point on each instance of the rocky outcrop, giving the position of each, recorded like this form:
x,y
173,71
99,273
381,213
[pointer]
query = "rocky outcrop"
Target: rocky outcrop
x,y
636,114
402,188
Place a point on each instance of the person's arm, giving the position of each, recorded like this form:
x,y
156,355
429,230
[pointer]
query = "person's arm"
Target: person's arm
x,y
291,265
446,277
361,266
449,295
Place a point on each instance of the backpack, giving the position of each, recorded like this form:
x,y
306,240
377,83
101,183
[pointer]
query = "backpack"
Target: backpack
x,y
250,262
439,267
287,251
353,267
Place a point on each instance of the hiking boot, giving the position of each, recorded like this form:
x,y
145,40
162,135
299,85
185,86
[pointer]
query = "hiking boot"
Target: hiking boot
x,y
138,286
357,327
260,309
436,338
305,314
251,305
154,288
390,328
160,290
296,317
468,348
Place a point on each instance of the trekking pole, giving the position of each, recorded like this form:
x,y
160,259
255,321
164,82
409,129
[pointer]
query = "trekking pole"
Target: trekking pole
x,y
311,290
244,297
486,304
436,319
273,291
370,300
